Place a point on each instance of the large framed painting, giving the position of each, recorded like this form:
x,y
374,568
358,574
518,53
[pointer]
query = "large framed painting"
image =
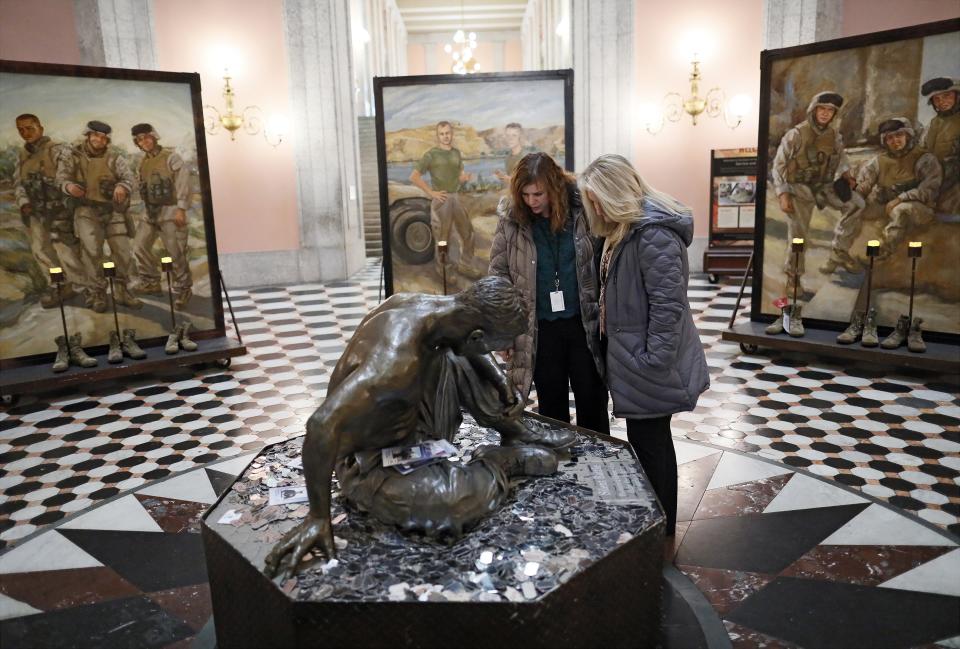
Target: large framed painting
x,y
446,147
102,165
860,142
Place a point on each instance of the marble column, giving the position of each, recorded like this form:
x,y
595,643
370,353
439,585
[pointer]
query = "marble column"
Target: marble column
x,y
604,78
324,133
796,22
116,33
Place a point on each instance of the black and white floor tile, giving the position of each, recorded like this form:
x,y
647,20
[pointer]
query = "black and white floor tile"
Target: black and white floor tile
x,y
803,482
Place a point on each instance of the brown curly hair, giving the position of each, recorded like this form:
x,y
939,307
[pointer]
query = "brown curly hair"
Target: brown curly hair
x,y
540,168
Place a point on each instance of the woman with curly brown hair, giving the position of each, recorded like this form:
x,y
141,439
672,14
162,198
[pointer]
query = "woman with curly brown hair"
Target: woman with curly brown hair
x,y
543,245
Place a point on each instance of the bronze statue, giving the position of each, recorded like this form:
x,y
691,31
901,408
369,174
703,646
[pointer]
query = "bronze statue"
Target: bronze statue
x,y
410,366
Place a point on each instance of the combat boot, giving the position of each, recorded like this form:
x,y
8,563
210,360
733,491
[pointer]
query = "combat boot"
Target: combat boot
x,y
183,297
148,287
48,300
130,347
796,321
870,338
173,342
915,338
185,343
519,461
115,355
776,327
77,355
126,298
97,300
62,361
898,335
853,331
840,259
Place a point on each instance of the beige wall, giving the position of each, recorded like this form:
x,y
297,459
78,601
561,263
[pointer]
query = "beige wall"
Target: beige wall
x,y
677,160
486,55
253,184
865,16
38,30
512,56
416,59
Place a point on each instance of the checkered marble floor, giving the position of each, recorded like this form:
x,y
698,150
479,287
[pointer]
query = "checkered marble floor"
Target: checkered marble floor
x,y
77,460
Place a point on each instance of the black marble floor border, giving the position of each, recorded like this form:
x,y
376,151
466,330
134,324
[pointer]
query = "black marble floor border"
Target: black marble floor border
x,y
714,632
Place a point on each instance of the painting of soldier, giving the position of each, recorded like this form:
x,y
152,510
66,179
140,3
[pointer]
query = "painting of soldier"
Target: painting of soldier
x,y
449,147
85,178
861,144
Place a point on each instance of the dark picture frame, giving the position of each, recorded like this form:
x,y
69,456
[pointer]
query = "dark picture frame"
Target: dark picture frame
x,y
65,98
479,107
879,76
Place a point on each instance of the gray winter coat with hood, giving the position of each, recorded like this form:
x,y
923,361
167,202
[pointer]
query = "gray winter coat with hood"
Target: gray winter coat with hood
x,y
655,361
513,255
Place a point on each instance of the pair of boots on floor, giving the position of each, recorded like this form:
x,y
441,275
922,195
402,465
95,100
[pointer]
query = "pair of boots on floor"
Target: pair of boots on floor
x,y
179,339
70,350
792,315
863,327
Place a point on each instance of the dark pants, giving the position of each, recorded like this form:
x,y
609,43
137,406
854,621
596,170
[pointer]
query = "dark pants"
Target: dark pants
x,y
653,444
564,361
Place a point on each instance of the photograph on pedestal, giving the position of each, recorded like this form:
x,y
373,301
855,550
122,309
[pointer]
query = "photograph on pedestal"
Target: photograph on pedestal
x,y
446,147
859,140
102,165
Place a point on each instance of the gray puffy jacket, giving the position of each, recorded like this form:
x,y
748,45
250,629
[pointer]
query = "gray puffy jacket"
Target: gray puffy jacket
x,y
513,255
655,361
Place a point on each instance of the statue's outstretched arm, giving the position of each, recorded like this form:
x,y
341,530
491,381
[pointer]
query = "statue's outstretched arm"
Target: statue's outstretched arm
x,y
322,446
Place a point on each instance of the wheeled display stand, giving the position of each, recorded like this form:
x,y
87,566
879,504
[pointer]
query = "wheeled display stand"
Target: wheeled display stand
x,y
939,357
38,377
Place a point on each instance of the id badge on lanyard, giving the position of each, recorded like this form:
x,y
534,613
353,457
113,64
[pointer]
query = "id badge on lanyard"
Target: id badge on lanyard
x,y
556,296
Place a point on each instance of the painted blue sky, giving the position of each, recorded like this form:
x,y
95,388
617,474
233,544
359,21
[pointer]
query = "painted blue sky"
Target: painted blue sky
x,y
482,104
65,104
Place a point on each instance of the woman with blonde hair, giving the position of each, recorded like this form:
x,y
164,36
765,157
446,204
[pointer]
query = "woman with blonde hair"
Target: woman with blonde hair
x,y
655,362
543,245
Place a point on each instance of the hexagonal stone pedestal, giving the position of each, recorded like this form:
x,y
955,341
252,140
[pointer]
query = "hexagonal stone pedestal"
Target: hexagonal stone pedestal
x,y
570,560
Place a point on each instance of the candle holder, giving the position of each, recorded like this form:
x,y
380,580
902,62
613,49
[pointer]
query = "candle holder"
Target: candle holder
x,y
166,265
57,279
442,252
115,354
869,337
914,252
873,250
797,247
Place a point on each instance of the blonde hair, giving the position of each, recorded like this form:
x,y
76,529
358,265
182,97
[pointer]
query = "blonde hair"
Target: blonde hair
x,y
620,191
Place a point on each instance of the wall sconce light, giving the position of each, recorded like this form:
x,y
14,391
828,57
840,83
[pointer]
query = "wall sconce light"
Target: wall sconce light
x,y
714,104
250,118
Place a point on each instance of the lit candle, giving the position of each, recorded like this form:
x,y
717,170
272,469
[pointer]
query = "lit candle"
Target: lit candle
x,y
873,248
166,263
109,269
56,275
914,248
